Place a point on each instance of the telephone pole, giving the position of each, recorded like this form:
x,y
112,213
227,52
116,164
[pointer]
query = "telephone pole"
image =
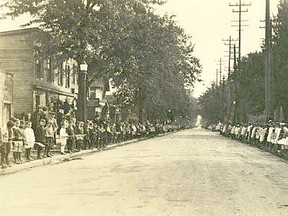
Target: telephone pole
x,y
220,70
240,5
229,84
230,40
216,77
267,63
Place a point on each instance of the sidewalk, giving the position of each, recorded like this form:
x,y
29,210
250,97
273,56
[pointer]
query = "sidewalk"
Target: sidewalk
x,y
56,159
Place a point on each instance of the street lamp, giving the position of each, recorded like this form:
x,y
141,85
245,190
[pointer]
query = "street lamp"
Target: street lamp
x,y
234,111
83,67
82,92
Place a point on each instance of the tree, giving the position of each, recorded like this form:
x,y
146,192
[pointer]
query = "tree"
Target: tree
x,y
162,64
209,105
250,86
280,52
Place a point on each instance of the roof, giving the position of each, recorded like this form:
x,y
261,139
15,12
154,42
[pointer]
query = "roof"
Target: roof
x,y
19,31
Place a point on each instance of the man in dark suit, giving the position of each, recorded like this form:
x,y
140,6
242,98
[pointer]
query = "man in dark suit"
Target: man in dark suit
x,y
40,137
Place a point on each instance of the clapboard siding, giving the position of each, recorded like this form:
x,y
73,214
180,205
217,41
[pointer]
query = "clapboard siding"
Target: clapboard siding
x,y
16,57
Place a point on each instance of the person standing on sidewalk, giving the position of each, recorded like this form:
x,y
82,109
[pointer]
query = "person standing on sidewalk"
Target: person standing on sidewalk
x,y
17,142
89,136
71,138
52,118
6,143
40,137
22,127
49,132
80,134
29,139
3,141
63,136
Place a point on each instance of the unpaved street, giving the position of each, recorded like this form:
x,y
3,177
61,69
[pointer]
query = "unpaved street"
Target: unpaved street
x,y
193,172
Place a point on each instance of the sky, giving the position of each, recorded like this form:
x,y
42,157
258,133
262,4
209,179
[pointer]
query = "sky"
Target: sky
x,y
208,22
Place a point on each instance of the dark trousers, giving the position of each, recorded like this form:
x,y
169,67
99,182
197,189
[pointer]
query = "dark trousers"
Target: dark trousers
x,y
79,144
70,144
38,148
5,151
50,143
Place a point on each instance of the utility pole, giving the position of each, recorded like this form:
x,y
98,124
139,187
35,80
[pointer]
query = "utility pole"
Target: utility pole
x,y
220,70
229,53
267,63
220,91
216,77
240,25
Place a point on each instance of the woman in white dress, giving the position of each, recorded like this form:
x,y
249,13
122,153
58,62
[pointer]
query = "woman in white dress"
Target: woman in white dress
x,y
29,139
63,136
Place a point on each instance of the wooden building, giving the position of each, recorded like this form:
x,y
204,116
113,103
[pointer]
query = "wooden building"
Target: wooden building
x,y
36,83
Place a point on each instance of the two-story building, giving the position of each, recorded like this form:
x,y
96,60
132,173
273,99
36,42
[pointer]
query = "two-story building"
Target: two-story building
x,y
35,83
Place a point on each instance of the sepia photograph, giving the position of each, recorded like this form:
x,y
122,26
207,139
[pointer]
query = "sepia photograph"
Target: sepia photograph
x,y
143,107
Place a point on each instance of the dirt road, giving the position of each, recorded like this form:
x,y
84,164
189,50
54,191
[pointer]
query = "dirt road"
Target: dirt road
x,y
193,172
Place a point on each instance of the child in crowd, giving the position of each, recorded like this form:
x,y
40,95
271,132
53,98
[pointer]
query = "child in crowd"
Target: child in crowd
x,y
7,138
49,132
22,127
52,118
17,142
80,133
29,139
63,136
89,135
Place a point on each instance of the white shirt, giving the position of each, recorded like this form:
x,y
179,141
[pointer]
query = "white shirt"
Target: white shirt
x,y
30,137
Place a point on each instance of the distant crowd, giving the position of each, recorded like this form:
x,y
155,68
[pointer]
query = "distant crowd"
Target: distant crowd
x,y
272,136
45,132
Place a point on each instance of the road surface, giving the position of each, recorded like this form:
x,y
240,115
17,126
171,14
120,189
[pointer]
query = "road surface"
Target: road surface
x,y
192,172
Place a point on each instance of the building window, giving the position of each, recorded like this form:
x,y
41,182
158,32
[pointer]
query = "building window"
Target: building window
x,y
67,75
38,69
60,75
37,100
74,73
92,93
49,70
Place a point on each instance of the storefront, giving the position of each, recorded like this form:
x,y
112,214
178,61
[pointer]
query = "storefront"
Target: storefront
x,y
53,99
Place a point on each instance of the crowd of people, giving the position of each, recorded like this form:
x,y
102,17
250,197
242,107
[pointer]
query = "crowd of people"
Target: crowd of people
x,y
46,132
272,136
